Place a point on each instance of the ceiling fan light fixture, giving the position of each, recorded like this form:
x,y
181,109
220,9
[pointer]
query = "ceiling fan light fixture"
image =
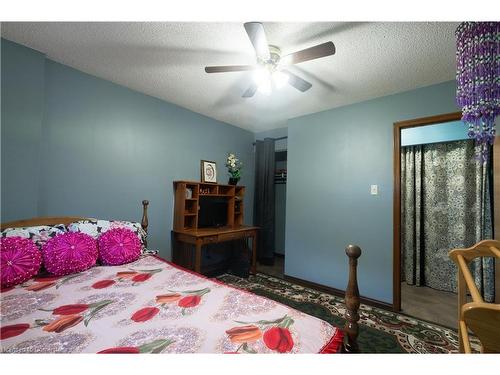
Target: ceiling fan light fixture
x,y
270,71
265,88
280,79
262,78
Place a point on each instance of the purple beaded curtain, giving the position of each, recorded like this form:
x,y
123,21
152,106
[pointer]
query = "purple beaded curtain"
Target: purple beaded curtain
x,y
478,80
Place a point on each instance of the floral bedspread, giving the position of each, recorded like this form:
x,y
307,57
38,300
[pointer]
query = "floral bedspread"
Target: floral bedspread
x,y
152,306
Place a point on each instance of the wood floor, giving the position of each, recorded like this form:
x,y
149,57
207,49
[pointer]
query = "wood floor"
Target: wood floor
x,y
429,304
421,302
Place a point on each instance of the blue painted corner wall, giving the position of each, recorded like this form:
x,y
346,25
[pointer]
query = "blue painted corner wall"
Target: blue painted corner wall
x,y
74,144
333,158
22,112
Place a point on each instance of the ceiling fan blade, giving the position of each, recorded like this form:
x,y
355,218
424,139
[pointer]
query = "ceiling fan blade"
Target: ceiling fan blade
x,y
297,82
257,36
316,52
250,91
229,68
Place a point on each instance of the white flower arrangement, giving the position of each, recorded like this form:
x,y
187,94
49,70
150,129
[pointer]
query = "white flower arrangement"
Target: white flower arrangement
x,y
234,166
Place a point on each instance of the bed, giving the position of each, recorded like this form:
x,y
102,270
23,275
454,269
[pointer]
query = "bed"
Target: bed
x,y
154,306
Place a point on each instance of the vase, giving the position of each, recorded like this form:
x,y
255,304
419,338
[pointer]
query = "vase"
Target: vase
x,y
233,181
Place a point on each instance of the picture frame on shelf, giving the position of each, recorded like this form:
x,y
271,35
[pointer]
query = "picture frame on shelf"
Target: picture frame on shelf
x,y
208,171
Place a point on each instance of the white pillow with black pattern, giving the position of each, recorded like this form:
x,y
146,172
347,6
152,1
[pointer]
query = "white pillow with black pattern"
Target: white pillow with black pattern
x,y
39,234
96,227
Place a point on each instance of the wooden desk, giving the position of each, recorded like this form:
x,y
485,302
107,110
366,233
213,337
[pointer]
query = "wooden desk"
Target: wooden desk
x,y
204,236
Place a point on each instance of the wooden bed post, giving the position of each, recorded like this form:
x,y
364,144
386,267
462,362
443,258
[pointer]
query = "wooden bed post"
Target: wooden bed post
x,y
144,221
351,328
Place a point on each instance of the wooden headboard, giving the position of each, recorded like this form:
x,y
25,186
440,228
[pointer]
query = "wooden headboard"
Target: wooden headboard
x,y
53,220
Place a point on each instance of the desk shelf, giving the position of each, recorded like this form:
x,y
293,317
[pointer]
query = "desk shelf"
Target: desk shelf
x,y
186,205
215,195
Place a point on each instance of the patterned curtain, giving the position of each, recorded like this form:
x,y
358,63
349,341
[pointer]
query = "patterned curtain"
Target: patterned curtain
x,y
445,204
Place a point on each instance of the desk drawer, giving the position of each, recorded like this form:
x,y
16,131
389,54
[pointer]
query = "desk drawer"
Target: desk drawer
x,y
210,239
232,236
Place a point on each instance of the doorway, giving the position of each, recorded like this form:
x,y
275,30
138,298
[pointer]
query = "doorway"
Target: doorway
x,y
276,268
280,174
442,200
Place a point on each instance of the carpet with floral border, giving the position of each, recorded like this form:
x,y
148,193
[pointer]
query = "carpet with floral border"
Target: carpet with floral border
x,y
381,331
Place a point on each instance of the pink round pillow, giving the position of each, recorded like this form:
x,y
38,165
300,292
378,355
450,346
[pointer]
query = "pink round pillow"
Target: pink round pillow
x,y
20,260
68,253
119,246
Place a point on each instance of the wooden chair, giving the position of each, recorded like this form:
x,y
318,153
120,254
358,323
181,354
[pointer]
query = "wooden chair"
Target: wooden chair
x,y
482,318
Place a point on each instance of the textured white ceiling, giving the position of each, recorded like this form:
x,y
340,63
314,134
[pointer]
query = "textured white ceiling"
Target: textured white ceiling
x,y
167,60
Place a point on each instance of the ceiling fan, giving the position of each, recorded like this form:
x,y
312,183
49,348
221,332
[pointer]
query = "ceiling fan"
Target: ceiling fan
x,y
270,70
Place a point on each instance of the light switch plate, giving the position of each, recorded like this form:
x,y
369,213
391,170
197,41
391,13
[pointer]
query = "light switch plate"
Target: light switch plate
x,y
374,189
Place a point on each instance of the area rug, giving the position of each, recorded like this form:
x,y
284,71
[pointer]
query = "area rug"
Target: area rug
x,y
381,331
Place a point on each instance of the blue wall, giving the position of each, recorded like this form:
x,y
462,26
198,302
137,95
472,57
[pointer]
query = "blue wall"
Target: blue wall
x,y
445,132
333,158
104,148
22,114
